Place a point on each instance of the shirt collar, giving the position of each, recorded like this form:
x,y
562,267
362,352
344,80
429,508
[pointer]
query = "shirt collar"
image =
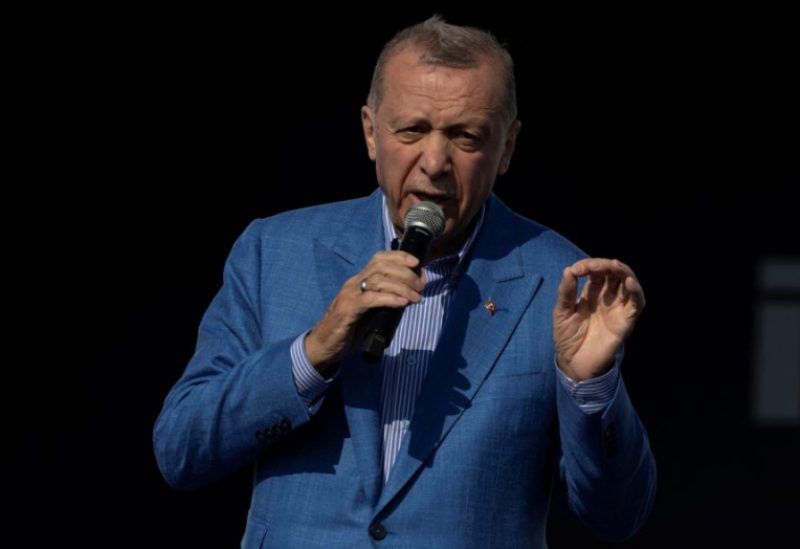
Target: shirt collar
x,y
390,234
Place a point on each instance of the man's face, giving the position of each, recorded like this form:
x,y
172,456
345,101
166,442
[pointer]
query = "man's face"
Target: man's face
x,y
439,134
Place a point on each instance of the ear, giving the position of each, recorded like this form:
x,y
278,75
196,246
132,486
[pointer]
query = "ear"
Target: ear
x,y
368,125
508,147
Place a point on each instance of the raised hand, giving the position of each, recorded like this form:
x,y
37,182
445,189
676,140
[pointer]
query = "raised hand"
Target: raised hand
x,y
589,331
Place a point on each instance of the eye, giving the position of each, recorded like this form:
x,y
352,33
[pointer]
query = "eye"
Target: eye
x,y
412,130
467,139
411,133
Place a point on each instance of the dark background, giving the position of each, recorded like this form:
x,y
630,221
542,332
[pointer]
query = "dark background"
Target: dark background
x,y
668,140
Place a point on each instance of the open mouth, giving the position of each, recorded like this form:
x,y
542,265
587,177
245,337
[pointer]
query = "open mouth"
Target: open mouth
x,y
435,198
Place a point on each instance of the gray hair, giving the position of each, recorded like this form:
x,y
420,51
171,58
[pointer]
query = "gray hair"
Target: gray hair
x,y
447,45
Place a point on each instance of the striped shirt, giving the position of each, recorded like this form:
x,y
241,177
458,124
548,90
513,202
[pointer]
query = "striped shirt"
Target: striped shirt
x,y
405,361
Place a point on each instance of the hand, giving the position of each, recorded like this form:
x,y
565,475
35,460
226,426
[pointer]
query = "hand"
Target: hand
x,y
391,282
588,332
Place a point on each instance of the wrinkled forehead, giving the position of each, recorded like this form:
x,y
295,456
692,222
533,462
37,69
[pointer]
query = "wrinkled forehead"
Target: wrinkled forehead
x,y
409,64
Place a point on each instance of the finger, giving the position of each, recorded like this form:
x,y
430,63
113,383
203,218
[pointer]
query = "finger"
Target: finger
x,y
351,302
567,291
380,283
599,265
634,292
394,256
593,288
612,291
372,300
583,266
616,274
393,273
395,265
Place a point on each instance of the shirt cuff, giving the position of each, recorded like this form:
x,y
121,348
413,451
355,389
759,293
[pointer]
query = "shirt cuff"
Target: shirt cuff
x,y
309,383
592,395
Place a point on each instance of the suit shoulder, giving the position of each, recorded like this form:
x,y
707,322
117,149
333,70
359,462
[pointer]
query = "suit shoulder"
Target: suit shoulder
x,y
537,242
316,220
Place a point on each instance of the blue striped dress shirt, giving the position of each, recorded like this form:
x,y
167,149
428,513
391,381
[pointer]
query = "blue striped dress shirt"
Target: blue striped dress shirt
x,y
405,362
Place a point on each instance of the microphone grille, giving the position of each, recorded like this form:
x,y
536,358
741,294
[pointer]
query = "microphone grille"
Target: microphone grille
x,y
426,215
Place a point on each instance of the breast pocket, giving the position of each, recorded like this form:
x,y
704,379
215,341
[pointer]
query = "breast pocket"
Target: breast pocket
x,y
512,407
514,385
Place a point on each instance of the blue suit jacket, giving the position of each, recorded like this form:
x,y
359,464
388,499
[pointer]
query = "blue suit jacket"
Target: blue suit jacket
x,y
493,431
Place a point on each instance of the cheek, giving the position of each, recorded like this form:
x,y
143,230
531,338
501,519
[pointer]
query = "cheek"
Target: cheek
x,y
386,159
393,168
476,181
390,178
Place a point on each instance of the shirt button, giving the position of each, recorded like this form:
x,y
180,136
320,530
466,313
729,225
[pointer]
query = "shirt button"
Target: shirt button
x,y
377,531
412,360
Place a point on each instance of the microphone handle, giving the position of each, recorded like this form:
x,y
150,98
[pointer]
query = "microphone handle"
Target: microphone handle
x,y
384,320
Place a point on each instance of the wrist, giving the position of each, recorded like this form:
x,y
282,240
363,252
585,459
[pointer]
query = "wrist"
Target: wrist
x,y
325,368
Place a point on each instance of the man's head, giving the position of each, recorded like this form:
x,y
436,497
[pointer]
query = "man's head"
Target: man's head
x,y
440,122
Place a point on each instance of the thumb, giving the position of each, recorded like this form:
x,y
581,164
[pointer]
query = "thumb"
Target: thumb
x,y
567,293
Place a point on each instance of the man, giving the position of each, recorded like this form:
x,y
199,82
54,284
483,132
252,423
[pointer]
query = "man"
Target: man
x,y
501,381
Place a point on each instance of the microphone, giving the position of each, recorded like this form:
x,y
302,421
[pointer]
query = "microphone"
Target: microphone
x,y
424,223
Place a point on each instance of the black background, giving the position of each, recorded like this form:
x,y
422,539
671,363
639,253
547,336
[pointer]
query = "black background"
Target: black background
x,y
666,139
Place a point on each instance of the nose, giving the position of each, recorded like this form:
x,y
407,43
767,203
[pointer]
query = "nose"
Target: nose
x,y
435,158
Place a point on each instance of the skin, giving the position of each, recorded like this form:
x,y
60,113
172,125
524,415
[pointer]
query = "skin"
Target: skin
x,y
588,332
441,134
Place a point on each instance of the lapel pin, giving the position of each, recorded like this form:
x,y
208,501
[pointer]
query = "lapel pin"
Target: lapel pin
x,y
490,306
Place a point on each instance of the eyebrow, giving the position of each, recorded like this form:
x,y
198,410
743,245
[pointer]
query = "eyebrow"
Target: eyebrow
x,y
482,125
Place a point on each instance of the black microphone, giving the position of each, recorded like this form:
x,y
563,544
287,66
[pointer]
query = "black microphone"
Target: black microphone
x,y
424,223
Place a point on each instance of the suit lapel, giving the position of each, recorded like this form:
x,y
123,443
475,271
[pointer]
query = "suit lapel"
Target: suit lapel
x,y
339,256
471,341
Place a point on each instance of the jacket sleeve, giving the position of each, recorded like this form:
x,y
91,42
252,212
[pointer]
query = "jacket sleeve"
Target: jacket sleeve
x,y
237,395
606,464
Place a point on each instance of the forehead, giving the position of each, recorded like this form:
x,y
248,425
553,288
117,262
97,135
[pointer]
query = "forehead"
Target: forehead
x,y
406,78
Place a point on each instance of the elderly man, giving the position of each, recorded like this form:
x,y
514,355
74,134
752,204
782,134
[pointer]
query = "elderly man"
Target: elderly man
x,y
500,384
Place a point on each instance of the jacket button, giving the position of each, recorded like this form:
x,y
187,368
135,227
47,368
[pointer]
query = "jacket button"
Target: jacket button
x,y
377,531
